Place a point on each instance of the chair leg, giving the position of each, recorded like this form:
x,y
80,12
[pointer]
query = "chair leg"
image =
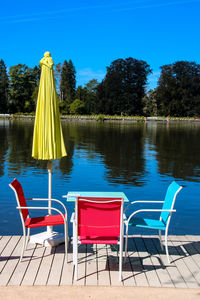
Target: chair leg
x,y
24,244
27,238
75,250
160,238
73,243
66,241
126,244
75,258
166,247
120,258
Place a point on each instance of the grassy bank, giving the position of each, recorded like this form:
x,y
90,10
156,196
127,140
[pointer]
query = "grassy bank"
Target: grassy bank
x,y
102,118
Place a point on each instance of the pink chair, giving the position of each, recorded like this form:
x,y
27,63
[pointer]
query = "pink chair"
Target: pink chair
x,y
27,222
98,220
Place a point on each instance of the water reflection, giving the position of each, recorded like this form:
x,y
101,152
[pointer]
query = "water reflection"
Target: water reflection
x,y
4,127
16,142
20,143
66,163
177,149
121,148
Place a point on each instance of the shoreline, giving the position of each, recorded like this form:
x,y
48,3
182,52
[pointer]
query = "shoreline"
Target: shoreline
x,y
102,118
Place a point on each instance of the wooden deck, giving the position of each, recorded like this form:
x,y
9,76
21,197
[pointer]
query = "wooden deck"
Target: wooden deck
x,y
98,265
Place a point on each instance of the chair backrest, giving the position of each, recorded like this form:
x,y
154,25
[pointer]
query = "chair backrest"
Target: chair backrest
x,y
169,201
21,201
99,216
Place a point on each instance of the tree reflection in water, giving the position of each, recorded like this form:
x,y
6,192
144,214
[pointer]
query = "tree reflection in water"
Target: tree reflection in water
x,y
177,147
120,145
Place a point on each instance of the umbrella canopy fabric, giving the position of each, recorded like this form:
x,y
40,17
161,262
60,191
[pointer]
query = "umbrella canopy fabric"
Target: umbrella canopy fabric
x,y
48,140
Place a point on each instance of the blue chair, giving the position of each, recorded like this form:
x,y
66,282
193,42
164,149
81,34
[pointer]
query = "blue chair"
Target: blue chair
x,y
163,223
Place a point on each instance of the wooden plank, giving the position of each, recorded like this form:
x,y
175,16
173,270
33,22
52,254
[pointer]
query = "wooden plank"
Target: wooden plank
x,y
57,266
102,266
21,268
172,269
82,256
189,262
195,242
136,264
196,239
127,270
45,266
182,267
68,269
161,271
148,267
4,241
8,246
91,265
113,263
11,264
190,246
33,267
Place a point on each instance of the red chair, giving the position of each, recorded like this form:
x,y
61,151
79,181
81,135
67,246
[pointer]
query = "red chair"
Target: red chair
x,y
27,222
98,220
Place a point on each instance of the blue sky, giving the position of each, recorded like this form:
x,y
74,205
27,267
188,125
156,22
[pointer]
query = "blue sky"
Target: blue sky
x,y
93,33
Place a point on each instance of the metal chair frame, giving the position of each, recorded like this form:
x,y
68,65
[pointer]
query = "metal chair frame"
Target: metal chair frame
x,y
76,240
170,211
26,236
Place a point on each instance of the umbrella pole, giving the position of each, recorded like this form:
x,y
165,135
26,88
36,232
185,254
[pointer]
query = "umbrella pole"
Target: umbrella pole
x,y
50,167
49,237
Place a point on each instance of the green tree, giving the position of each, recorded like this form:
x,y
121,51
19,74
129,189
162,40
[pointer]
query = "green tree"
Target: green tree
x,y
35,79
67,84
178,92
149,104
77,107
81,93
23,81
91,97
92,85
3,87
123,88
57,75
35,95
88,96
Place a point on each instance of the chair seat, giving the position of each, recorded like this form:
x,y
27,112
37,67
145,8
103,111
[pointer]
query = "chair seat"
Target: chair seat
x,y
98,240
44,221
150,223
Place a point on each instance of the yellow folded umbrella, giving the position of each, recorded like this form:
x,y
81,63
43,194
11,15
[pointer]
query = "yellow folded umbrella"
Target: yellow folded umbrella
x,y
48,141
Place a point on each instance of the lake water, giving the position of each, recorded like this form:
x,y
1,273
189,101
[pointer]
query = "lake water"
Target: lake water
x,y
139,159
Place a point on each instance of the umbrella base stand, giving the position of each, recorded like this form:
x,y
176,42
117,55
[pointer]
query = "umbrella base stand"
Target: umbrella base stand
x,y
47,238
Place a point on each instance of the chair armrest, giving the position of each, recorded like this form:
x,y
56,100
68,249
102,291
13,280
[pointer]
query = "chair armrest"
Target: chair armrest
x,y
142,201
124,217
46,199
37,208
72,219
148,210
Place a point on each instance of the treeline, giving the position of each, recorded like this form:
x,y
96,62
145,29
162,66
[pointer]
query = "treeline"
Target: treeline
x,y
121,92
